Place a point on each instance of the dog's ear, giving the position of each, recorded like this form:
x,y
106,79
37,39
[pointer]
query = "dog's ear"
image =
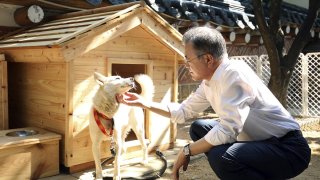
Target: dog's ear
x,y
99,78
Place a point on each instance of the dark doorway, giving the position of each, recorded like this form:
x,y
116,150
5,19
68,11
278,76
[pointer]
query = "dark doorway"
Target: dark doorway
x,y
129,70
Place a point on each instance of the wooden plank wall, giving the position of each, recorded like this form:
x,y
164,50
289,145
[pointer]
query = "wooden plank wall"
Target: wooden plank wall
x,y
37,95
84,87
3,93
136,44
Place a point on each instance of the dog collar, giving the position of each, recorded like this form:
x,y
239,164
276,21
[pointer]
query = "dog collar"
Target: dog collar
x,y
96,115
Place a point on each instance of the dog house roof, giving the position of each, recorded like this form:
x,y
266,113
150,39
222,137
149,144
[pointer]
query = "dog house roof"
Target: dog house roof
x,y
107,22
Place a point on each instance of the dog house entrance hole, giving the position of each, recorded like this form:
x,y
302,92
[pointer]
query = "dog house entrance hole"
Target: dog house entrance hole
x,y
129,70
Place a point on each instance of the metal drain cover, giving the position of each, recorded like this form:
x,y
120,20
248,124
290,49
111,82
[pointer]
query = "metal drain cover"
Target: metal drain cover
x,y
22,133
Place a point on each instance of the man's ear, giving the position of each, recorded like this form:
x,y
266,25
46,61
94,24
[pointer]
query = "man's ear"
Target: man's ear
x,y
209,59
99,78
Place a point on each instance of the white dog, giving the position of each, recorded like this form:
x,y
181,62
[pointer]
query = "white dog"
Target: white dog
x,y
105,107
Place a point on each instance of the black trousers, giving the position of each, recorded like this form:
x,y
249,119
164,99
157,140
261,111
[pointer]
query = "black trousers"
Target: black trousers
x,y
274,158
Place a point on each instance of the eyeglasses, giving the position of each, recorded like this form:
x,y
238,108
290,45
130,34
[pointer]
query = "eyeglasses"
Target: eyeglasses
x,y
187,62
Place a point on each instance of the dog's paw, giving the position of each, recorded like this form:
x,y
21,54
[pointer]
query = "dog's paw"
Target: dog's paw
x,y
98,176
116,178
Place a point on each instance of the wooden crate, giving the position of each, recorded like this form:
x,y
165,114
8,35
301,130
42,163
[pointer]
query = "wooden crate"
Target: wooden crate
x,y
3,93
29,157
51,80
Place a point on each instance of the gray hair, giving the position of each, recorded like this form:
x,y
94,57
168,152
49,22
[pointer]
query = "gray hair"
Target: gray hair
x,y
206,40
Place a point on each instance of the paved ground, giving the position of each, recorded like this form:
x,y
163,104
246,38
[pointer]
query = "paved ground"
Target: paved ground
x,y
199,168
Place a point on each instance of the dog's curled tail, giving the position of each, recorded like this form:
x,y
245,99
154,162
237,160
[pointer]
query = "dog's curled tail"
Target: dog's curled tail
x,y
147,87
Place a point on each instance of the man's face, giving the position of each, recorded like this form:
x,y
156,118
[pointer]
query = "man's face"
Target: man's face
x,y
197,64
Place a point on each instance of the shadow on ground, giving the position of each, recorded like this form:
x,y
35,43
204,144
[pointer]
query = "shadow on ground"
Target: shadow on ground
x,y
199,167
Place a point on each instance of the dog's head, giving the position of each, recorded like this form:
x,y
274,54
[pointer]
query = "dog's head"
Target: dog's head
x,y
114,84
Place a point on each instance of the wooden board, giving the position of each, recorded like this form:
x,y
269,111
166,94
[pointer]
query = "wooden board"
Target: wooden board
x,y
29,157
44,33
33,55
3,94
37,95
86,18
103,53
79,25
27,44
137,44
11,142
34,38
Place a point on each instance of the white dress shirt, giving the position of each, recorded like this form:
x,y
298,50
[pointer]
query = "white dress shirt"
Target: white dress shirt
x,y
247,109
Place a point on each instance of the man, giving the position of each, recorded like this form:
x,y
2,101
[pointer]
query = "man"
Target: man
x,y
254,138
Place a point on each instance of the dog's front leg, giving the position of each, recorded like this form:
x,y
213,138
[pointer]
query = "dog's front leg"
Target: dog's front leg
x,y
140,135
118,145
96,156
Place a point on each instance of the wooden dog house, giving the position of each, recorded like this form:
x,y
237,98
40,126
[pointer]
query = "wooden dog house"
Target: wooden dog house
x,y
51,66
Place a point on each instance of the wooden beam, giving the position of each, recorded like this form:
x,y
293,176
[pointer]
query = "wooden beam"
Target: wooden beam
x,y
12,40
68,138
61,5
97,10
173,126
33,55
4,121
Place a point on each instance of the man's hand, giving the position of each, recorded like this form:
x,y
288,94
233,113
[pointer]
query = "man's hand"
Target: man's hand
x,y
131,99
181,160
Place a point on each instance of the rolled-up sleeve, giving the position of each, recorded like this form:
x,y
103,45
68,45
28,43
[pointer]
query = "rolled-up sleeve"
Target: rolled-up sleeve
x,y
189,108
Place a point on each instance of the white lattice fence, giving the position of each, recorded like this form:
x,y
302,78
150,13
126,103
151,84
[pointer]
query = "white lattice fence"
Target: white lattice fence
x,y
250,60
304,85
265,68
259,64
313,84
295,93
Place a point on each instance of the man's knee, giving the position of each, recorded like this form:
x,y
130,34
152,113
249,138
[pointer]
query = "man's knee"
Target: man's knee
x,y
200,128
195,127
226,167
